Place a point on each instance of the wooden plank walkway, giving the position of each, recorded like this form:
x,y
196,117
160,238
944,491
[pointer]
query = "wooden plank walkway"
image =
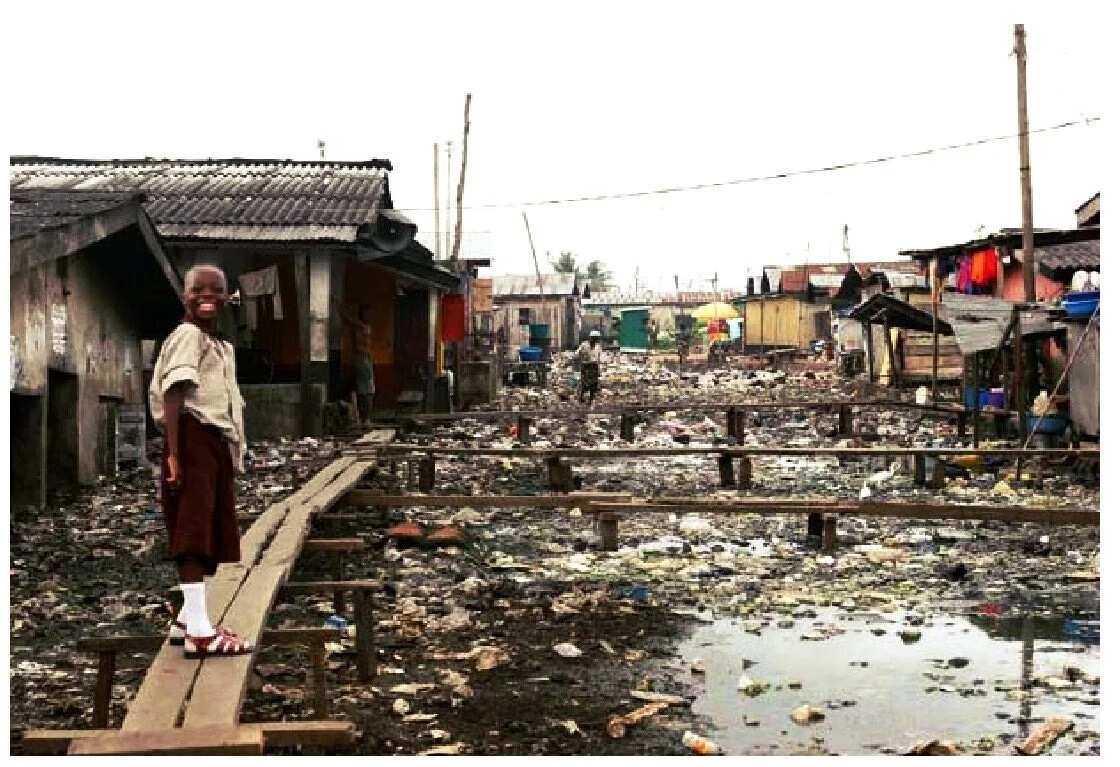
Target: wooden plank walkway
x,y
194,706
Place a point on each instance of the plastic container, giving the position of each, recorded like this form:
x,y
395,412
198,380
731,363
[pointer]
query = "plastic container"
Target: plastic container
x,y
1047,424
1081,304
538,330
971,397
996,398
530,353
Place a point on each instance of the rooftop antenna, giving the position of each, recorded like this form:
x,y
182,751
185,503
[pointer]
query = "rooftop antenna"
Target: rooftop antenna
x,y
847,250
322,149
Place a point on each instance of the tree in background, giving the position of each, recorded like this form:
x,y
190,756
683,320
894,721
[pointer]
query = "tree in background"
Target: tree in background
x,y
598,275
566,264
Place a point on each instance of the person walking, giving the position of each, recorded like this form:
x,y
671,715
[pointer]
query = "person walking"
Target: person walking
x,y
364,383
195,400
590,356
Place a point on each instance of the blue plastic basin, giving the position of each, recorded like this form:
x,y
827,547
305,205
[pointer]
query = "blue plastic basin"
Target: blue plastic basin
x,y
530,353
1081,304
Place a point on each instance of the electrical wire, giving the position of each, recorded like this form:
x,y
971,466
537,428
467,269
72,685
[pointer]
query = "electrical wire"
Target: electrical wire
x,y
768,177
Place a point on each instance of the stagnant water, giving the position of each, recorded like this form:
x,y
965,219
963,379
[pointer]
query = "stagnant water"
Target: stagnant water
x,y
880,693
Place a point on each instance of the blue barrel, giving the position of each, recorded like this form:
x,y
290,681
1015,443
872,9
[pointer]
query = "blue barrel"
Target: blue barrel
x,y
530,353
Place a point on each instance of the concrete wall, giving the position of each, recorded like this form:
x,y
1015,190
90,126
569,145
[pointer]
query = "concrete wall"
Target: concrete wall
x,y
276,410
72,316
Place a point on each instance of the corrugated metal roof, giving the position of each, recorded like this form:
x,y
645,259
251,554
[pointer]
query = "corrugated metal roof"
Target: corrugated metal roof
x,y
1072,255
273,195
526,284
35,211
979,322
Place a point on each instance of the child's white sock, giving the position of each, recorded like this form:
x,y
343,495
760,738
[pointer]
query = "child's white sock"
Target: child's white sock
x,y
193,615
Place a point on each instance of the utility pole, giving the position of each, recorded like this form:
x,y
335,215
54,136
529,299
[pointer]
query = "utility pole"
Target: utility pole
x,y
447,199
1025,165
462,181
322,149
847,250
435,207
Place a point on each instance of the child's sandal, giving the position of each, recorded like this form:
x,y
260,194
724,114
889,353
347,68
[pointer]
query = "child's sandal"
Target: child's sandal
x,y
176,631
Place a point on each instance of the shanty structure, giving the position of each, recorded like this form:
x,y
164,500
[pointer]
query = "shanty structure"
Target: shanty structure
x,y
89,282
605,311
520,302
791,306
300,240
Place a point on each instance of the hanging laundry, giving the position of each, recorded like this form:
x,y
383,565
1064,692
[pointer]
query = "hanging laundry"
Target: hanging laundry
x,y
259,284
984,267
964,274
453,315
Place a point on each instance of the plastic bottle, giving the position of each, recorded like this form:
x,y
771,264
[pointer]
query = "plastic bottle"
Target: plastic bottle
x,y
699,745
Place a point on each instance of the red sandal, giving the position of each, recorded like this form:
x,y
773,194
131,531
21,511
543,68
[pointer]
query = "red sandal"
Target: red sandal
x,y
223,642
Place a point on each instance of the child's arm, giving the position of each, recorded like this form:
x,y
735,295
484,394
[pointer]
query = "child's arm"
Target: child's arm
x,y
172,405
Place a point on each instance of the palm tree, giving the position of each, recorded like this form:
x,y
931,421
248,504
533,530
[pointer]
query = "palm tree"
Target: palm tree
x,y
598,275
566,264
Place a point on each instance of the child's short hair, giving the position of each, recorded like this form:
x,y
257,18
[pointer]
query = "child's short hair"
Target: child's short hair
x,y
188,278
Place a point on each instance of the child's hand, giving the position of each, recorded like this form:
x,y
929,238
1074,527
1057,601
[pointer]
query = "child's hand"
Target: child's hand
x,y
174,472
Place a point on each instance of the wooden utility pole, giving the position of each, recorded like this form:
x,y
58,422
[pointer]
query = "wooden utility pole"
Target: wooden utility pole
x,y
462,181
935,298
435,207
1025,165
536,265
447,200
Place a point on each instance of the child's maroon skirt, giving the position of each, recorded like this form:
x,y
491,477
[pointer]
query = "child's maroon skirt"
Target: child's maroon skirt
x,y
200,515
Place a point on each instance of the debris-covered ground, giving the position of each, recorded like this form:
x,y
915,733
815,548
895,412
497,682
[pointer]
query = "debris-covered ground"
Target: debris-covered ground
x,y
525,639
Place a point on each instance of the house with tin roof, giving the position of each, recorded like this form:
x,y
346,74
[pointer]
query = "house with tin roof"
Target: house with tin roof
x,y
304,242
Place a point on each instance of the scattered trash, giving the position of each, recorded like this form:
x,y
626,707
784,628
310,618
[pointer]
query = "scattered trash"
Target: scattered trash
x,y
616,726
699,745
567,650
1044,737
804,715
935,748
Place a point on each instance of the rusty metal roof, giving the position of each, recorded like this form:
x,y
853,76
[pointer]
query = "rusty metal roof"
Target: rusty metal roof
x,y
36,211
526,285
231,198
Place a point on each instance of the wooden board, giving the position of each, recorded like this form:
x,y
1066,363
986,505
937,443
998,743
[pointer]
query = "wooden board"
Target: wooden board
x,y
180,742
1088,518
328,733
375,499
629,452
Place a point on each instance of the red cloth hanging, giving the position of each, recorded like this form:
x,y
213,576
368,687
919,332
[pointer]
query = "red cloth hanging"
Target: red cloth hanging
x,y
453,325
984,267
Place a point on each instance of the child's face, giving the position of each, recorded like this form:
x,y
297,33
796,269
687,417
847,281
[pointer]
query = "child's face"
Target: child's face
x,y
206,295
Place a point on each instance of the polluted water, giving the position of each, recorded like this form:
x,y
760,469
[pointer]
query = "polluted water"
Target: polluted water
x,y
851,683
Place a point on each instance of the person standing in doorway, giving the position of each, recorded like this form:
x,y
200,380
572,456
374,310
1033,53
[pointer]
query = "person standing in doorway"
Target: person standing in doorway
x,y
364,383
590,357
195,400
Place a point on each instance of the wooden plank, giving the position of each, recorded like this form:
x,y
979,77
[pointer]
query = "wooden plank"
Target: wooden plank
x,y
376,437
178,742
327,733
132,643
341,545
326,587
220,688
606,453
1089,518
567,500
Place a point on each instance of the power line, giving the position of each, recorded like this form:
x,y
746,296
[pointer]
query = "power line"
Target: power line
x,y
771,176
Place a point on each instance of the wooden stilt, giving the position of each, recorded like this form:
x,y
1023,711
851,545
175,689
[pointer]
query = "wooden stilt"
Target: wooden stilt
x,y
816,527
560,477
726,470
740,426
845,425
628,422
731,425
919,471
608,531
937,476
828,537
745,481
319,704
363,630
523,429
103,695
339,575
962,425
427,474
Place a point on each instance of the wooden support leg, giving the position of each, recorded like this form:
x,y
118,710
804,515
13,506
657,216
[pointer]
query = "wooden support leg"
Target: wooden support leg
x,y
427,474
628,422
731,424
919,471
937,476
319,705
962,425
339,575
740,426
560,477
845,426
816,527
103,695
828,536
745,473
726,470
976,428
608,531
363,630
523,429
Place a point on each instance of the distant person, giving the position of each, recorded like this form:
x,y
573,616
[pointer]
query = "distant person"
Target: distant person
x,y
195,399
590,356
364,383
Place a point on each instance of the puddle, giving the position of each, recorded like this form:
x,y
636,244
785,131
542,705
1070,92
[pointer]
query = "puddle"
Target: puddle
x,y
892,702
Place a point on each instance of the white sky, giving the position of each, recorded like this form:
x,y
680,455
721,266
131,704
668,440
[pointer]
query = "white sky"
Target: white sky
x,y
575,99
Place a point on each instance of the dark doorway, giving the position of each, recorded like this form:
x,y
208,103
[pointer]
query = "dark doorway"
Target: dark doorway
x,y
28,458
62,429
411,342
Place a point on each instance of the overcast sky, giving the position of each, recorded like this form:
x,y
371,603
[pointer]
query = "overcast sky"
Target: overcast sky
x,y
572,100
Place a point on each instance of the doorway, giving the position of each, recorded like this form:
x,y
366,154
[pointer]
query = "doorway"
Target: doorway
x,y
62,429
28,462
